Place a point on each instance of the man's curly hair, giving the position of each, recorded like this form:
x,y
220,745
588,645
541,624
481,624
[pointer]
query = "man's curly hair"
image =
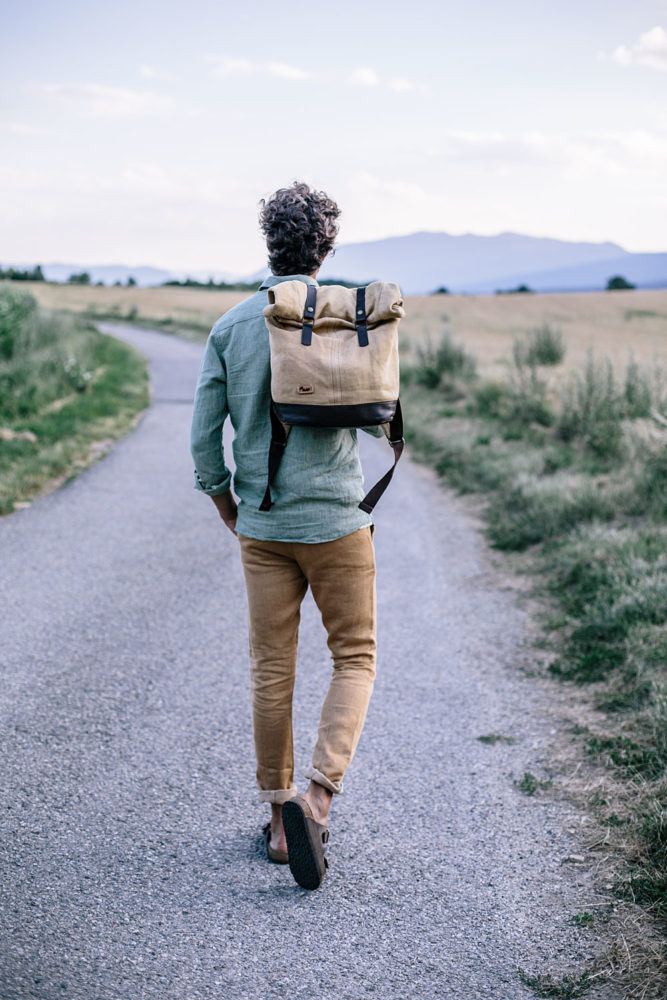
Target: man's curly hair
x,y
300,228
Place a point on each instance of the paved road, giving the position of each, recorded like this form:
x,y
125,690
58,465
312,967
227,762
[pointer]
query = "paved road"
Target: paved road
x,y
130,849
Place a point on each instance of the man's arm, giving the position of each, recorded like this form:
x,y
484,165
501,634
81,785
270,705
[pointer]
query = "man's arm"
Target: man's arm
x,y
226,507
209,413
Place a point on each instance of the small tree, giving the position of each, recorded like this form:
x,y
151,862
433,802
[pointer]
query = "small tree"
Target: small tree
x,y
618,282
79,279
441,291
131,282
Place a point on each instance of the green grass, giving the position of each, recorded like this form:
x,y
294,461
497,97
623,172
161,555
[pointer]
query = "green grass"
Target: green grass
x,y
64,389
567,988
492,738
576,481
529,784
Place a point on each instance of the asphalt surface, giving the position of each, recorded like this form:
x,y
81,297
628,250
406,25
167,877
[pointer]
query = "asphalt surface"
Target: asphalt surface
x,y
131,859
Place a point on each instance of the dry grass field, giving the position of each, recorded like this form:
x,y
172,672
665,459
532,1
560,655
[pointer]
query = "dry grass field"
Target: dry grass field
x,y
195,308
613,323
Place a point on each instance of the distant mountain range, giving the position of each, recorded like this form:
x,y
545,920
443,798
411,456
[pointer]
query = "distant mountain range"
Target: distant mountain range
x,y
422,262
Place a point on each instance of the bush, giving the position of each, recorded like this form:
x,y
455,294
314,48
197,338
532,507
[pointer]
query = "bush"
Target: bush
x,y
543,346
592,408
528,391
651,485
490,400
447,358
43,357
618,282
638,391
16,309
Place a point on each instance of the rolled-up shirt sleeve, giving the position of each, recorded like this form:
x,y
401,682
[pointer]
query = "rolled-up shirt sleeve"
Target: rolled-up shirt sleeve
x,y
210,411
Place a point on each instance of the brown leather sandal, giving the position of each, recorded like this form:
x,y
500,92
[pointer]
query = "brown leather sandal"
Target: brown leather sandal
x,y
280,857
305,843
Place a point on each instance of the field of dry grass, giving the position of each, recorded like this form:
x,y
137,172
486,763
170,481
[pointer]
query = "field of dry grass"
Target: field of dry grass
x,y
195,308
613,323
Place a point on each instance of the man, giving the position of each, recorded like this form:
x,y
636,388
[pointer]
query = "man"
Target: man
x,y
314,535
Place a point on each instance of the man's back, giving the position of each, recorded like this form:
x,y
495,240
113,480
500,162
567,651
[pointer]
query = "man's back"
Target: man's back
x,y
319,484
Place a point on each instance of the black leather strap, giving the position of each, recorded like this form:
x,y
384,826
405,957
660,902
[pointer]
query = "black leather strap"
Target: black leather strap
x,y
397,443
279,435
360,317
309,315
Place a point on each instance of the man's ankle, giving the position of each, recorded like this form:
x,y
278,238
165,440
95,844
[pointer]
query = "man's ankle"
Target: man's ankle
x,y
319,799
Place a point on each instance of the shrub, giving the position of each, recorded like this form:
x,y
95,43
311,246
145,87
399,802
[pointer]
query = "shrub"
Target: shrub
x,y
447,358
617,283
43,357
592,408
638,391
16,309
528,391
651,485
490,400
543,346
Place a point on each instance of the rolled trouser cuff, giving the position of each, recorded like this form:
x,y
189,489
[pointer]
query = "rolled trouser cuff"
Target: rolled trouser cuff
x,y
278,795
321,779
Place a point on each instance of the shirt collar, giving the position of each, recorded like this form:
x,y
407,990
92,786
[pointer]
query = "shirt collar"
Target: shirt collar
x,y
274,279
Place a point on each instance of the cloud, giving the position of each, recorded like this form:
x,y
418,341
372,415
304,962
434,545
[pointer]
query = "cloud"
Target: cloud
x,y
150,73
23,128
612,153
287,72
111,102
365,183
231,67
401,85
649,51
364,77
224,66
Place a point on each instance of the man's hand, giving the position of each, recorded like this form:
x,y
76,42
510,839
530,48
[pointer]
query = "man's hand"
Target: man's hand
x,y
226,505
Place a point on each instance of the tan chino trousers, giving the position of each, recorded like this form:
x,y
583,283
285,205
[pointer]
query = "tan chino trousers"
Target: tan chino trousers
x,y
341,576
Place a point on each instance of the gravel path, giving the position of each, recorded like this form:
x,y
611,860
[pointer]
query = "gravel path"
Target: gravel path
x,y
131,863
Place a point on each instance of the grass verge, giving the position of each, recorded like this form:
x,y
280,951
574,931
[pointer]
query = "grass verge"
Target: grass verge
x,y
67,392
574,476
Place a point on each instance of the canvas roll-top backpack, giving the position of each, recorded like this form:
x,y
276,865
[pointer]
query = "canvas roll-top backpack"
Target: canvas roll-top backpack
x,y
334,363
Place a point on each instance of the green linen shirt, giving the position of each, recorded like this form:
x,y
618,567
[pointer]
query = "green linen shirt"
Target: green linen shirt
x,y
319,484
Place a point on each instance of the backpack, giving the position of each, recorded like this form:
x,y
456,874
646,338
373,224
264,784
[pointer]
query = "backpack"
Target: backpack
x,y
334,363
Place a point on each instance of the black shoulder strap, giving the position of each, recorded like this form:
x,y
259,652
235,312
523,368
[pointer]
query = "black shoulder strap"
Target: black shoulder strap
x,y
279,435
309,315
397,443
360,317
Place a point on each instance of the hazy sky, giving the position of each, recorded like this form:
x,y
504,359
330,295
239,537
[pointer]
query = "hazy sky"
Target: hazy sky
x,y
146,132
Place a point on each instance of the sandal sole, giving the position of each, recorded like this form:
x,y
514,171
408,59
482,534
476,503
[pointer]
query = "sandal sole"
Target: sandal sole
x,y
301,851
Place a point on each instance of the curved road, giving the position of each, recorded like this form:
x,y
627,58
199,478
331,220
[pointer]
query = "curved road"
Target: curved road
x,y
131,862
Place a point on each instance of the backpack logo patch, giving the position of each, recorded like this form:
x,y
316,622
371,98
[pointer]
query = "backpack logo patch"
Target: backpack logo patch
x,y
305,389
